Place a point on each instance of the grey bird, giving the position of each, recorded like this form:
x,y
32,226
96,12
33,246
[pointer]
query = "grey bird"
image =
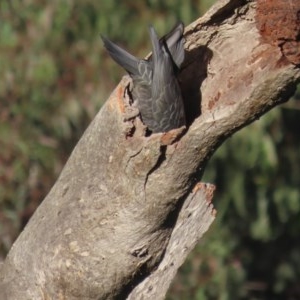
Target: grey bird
x,y
155,86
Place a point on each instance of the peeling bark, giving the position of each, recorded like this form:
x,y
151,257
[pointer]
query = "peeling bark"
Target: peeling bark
x,y
127,209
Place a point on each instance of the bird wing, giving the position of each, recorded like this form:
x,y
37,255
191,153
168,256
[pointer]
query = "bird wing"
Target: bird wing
x,y
175,43
122,57
167,103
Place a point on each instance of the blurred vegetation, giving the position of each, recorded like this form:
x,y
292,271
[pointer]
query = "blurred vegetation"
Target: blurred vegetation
x,y
54,77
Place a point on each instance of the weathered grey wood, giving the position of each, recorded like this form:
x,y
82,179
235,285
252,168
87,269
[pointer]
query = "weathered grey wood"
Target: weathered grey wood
x,y
195,217
106,223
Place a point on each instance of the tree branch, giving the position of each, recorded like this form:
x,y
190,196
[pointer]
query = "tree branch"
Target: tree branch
x,y
108,221
195,217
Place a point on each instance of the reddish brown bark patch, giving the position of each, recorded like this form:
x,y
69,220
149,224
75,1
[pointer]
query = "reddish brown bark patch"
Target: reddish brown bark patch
x,y
279,24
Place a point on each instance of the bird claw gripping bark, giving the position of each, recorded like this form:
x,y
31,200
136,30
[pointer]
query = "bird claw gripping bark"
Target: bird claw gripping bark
x,y
155,87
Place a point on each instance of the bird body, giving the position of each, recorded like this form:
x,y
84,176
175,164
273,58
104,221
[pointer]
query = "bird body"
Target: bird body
x,y
155,86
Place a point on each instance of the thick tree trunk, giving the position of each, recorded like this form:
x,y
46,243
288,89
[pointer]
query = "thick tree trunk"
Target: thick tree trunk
x,y
126,209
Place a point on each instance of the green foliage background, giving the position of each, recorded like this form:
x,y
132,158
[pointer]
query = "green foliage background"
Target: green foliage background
x,y
54,77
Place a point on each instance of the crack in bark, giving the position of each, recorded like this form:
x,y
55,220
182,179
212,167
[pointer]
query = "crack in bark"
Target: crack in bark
x,y
131,157
160,160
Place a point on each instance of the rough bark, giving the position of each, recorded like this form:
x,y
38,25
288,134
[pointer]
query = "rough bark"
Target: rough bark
x,y
106,228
